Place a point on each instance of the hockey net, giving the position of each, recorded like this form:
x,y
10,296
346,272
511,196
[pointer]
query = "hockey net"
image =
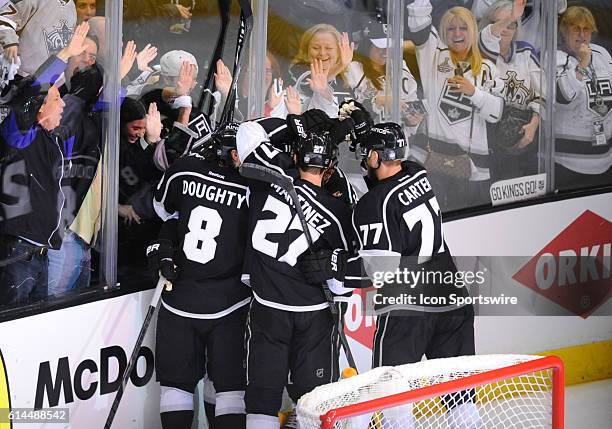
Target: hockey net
x,y
467,392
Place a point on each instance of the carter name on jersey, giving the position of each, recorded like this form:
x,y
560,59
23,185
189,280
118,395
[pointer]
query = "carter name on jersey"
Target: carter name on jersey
x,y
413,192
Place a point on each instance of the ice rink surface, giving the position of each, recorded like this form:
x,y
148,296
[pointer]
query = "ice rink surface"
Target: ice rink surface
x,y
589,406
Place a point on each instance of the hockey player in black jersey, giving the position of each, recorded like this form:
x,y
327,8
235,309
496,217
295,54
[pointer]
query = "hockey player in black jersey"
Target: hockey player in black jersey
x,y
201,246
399,227
290,327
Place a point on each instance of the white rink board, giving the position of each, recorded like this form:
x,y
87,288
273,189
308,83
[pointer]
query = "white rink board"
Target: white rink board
x,y
80,333
524,232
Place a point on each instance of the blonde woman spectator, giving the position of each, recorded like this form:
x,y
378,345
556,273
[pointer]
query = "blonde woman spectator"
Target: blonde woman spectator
x,y
518,64
583,152
456,82
366,77
319,69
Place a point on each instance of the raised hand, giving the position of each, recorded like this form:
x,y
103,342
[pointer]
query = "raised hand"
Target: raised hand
x,y
461,84
584,54
318,78
529,132
223,78
128,214
127,60
153,125
186,79
518,8
294,103
11,53
145,56
183,11
346,52
273,97
76,44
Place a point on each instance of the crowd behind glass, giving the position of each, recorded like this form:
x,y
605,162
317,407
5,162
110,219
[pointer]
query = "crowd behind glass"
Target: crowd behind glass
x,y
471,96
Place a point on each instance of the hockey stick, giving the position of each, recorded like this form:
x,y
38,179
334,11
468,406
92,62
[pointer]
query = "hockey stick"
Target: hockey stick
x,y
206,94
265,174
246,25
134,357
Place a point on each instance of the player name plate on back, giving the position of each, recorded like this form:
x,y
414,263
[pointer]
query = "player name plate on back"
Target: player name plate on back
x,y
518,189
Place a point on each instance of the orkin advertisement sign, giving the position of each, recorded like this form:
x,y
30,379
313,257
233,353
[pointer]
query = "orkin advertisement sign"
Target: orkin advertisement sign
x,y
573,270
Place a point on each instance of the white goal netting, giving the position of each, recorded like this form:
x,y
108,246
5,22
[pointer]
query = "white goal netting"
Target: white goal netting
x,y
495,401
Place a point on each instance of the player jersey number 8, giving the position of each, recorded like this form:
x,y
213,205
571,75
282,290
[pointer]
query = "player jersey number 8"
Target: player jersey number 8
x,y
204,227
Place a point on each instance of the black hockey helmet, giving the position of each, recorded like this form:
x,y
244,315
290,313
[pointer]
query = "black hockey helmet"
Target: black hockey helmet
x,y
387,139
224,140
316,150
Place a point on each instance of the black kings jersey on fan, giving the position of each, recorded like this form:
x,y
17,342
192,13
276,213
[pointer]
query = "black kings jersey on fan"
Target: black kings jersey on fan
x,y
210,204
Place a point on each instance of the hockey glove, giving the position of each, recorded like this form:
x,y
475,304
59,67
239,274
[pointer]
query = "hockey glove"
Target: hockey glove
x,y
360,116
159,258
313,120
323,265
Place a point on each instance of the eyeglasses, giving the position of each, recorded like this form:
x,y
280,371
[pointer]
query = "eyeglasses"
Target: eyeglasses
x,y
512,26
88,56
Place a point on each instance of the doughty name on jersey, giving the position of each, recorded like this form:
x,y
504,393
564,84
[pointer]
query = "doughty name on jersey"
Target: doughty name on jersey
x,y
213,193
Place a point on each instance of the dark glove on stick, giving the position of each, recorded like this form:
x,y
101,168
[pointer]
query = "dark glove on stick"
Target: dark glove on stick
x,y
360,116
323,265
159,258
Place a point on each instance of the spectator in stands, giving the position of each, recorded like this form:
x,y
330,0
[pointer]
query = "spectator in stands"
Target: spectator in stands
x,y
171,93
70,266
602,11
85,9
319,69
32,153
289,19
456,82
514,147
33,30
531,21
97,32
279,102
366,77
583,152
140,131
86,59
172,96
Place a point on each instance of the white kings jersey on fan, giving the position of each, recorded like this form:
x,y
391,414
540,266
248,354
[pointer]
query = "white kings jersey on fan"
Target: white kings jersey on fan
x,y
531,22
575,112
450,118
366,92
520,74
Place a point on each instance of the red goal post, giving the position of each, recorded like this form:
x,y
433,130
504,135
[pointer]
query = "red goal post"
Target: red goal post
x,y
487,391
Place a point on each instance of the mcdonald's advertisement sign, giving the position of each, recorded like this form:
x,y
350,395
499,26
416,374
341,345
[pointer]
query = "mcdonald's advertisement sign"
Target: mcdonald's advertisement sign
x,y
65,366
